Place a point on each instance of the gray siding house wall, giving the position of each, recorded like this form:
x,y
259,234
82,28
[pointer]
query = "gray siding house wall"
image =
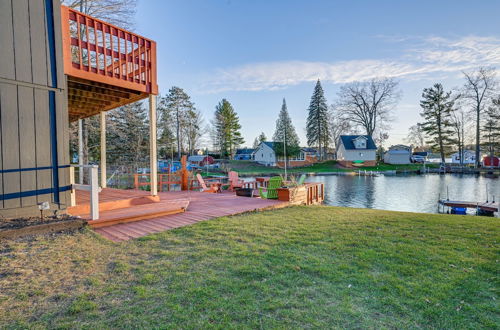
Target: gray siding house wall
x,y
34,141
264,154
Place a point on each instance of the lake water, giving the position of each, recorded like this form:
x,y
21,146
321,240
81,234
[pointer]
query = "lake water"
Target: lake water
x,y
413,193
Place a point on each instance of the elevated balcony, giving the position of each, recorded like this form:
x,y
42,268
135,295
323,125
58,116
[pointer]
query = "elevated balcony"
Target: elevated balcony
x,y
106,66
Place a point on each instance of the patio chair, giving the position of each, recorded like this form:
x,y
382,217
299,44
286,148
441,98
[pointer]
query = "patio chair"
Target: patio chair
x,y
214,187
234,181
271,191
301,180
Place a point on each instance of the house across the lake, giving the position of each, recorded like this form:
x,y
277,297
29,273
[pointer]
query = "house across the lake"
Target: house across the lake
x,y
266,155
201,160
469,157
357,150
244,154
398,154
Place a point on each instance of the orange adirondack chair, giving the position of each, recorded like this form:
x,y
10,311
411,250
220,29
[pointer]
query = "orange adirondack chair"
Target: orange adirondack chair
x,y
214,187
234,180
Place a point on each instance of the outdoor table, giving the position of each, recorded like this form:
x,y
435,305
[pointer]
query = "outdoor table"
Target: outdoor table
x,y
262,181
250,184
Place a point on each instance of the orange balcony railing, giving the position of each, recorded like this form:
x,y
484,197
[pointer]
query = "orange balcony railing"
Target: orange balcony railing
x,y
98,51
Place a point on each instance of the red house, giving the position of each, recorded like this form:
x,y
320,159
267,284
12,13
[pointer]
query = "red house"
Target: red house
x,y
490,161
201,160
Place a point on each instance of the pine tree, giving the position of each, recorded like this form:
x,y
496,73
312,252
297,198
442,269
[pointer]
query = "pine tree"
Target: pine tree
x,y
128,137
178,103
166,128
261,138
437,106
285,131
317,129
491,128
226,133
193,128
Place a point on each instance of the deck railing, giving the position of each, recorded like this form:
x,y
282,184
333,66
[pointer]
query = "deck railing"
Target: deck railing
x,y
93,188
101,52
315,193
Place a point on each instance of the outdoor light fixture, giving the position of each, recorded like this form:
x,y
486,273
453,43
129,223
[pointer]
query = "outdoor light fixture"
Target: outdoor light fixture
x,y
43,206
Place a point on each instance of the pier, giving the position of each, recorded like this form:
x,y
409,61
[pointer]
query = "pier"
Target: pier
x,y
487,207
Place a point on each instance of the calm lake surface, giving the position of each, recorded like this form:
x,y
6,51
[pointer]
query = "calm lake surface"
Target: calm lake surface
x,y
413,193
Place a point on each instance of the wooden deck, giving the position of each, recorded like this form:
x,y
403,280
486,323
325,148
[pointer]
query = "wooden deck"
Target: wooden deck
x,y
202,206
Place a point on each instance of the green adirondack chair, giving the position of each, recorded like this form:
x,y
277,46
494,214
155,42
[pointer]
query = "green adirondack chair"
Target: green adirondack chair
x,y
301,180
271,191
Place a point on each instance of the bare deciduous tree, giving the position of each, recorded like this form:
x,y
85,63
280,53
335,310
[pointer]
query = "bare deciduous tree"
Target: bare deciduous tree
x,y
478,91
458,124
369,104
117,12
338,126
416,135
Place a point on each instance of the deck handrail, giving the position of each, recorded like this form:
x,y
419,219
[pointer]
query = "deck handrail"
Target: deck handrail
x,y
99,51
93,187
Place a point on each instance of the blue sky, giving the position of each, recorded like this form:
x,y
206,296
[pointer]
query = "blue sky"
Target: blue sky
x,y
254,53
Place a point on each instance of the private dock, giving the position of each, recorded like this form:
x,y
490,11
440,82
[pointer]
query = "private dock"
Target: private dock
x,y
486,207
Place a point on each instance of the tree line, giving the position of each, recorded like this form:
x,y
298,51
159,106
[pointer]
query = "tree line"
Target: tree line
x,y
465,117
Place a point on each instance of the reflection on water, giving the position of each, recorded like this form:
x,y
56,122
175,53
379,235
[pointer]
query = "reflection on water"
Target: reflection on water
x,y
414,193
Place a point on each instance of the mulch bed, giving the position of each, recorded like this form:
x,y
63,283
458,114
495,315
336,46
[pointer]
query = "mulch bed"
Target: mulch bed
x,y
14,228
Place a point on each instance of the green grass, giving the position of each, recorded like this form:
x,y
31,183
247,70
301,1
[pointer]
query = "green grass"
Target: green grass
x,y
300,267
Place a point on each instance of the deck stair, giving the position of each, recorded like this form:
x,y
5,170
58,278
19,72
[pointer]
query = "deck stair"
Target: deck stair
x,y
84,209
121,206
139,212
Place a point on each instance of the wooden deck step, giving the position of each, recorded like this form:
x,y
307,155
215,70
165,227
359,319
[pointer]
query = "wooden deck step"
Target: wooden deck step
x,y
139,212
84,209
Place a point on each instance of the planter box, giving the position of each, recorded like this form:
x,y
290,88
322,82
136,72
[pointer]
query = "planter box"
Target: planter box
x,y
294,195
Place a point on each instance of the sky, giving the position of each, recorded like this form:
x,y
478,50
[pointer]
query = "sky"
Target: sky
x,y
255,53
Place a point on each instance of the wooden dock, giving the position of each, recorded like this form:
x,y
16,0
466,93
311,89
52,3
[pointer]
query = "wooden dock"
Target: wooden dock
x,y
486,206
202,206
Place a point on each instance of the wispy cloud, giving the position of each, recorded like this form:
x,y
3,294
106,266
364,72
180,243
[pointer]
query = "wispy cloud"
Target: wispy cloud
x,y
426,57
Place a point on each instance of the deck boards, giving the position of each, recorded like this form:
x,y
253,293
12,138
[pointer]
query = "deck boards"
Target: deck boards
x,y
202,206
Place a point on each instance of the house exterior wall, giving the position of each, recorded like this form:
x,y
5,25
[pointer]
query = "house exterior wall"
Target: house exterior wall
x,y
397,158
34,133
243,157
359,154
308,161
265,155
346,157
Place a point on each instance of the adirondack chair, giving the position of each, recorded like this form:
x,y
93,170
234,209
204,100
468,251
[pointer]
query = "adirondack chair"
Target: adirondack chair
x,y
234,181
214,187
271,191
301,180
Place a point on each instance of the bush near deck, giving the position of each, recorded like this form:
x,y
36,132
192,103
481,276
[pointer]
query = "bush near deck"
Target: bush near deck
x,y
291,268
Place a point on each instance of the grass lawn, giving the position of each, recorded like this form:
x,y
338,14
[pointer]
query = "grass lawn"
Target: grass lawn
x,y
298,267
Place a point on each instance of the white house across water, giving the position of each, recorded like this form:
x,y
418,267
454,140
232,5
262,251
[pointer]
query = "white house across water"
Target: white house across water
x,y
355,150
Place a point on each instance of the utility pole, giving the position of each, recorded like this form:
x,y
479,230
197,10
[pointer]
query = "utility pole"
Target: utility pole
x,y
284,152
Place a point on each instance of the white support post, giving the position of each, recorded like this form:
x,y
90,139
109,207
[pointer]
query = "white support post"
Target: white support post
x,y
72,182
103,150
153,164
94,193
80,151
